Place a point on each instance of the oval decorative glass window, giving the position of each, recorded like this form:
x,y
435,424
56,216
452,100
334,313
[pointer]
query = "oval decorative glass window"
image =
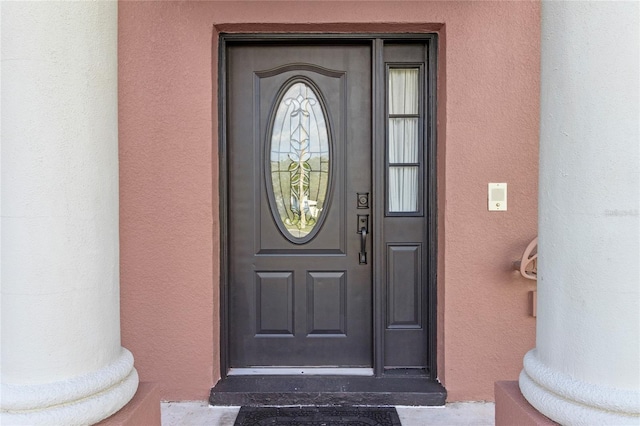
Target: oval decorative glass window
x,y
299,157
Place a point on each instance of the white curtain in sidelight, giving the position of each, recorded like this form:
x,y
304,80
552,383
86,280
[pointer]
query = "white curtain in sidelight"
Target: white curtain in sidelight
x,y
403,140
403,189
403,91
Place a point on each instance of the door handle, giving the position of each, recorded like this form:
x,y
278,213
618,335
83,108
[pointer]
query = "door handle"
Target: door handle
x,y
363,246
363,230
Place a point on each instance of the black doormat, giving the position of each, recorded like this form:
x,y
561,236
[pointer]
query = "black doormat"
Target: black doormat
x,y
317,416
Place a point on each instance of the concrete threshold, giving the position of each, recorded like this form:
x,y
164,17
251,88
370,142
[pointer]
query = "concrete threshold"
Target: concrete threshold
x,y
276,390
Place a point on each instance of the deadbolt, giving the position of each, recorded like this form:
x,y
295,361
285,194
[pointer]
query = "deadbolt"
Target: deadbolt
x,y
363,200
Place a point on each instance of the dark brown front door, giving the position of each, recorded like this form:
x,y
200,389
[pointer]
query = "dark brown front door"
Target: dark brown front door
x,y
299,180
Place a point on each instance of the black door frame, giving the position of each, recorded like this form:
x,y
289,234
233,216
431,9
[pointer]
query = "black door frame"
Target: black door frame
x,y
376,42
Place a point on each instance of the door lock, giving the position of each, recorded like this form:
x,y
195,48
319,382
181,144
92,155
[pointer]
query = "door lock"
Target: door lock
x,y
363,200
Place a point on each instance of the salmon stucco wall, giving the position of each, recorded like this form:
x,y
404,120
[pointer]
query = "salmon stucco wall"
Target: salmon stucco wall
x,y
169,229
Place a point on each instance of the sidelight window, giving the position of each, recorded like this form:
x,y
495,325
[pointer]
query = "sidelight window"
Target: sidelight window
x,y
404,140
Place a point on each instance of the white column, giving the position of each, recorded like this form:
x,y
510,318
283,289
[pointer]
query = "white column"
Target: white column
x,y
61,358
585,368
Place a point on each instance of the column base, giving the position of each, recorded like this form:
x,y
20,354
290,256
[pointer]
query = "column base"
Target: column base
x,y
78,401
570,401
